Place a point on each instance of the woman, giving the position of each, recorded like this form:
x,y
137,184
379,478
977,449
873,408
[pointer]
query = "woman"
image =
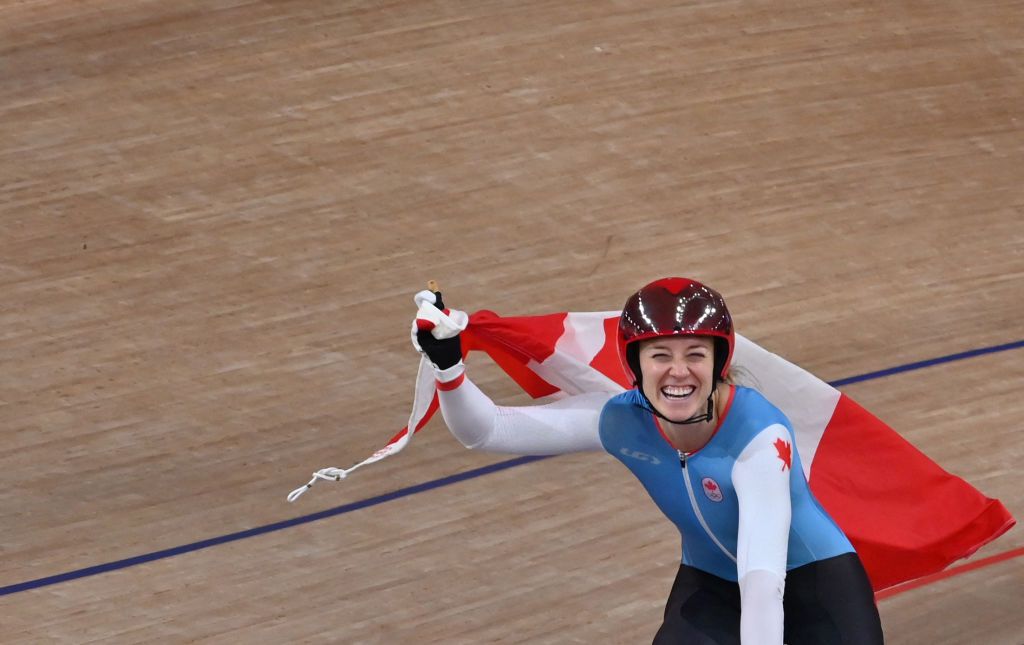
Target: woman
x,y
762,560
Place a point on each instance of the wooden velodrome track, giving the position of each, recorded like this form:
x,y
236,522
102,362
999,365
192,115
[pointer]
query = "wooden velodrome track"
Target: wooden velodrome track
x,y
214,216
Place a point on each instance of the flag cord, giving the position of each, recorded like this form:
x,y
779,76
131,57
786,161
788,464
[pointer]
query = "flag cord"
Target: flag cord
x,y
337,474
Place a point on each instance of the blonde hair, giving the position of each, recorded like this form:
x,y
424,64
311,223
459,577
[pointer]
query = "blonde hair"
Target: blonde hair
x,y
739,375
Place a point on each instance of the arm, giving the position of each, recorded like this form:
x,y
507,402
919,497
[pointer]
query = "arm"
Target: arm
x,y
761,477
568,425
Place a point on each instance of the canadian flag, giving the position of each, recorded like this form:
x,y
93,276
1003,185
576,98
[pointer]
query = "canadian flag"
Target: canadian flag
x,y
906,516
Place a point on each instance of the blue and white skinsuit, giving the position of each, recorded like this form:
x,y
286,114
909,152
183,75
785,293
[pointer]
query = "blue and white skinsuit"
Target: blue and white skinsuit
x,y
741,502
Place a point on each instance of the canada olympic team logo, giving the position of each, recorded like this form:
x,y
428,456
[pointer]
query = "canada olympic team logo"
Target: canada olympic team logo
x,y
711,489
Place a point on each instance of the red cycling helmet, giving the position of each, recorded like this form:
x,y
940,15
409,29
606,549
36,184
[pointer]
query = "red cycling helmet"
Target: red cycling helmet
x,y
670,307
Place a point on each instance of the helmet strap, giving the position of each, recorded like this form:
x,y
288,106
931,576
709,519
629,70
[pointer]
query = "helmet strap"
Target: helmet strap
x,y
633,359
697,418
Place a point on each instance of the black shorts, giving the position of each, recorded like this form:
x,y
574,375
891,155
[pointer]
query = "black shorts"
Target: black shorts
x,y
829,602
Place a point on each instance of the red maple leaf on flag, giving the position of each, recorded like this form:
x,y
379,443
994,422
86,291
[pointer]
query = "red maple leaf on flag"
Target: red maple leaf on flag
x,y
785,453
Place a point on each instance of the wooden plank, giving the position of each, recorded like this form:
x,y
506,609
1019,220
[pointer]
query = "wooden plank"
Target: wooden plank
x,y
215,215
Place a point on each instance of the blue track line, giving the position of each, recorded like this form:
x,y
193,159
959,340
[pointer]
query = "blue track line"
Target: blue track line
x,y
928,363
419,488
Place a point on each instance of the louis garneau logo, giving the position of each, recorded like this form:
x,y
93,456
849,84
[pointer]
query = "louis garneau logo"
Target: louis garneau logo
x,y
642,456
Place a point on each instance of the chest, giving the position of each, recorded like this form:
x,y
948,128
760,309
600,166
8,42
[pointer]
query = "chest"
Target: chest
x,y
690,489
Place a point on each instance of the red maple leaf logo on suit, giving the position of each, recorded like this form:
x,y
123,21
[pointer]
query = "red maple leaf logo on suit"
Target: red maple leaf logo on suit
x,y
785,453
710,485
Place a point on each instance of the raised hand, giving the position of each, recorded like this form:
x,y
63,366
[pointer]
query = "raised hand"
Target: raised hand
x,y
436,329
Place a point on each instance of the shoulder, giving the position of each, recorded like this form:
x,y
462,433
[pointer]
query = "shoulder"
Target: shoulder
x,y
749,415
621,404
619,414
751,408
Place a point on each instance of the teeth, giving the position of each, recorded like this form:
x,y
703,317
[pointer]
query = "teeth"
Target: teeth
x,y
678,391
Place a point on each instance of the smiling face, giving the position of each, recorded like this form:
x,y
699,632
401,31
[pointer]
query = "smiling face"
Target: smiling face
x,y
677,374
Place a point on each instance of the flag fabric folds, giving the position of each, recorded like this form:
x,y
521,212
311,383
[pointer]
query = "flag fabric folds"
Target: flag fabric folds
x,y
905,515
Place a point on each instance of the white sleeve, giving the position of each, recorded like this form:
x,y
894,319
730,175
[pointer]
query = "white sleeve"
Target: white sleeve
x,y
761,478
568,425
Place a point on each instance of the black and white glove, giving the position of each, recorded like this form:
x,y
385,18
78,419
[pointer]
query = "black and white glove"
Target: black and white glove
x,y
435,332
